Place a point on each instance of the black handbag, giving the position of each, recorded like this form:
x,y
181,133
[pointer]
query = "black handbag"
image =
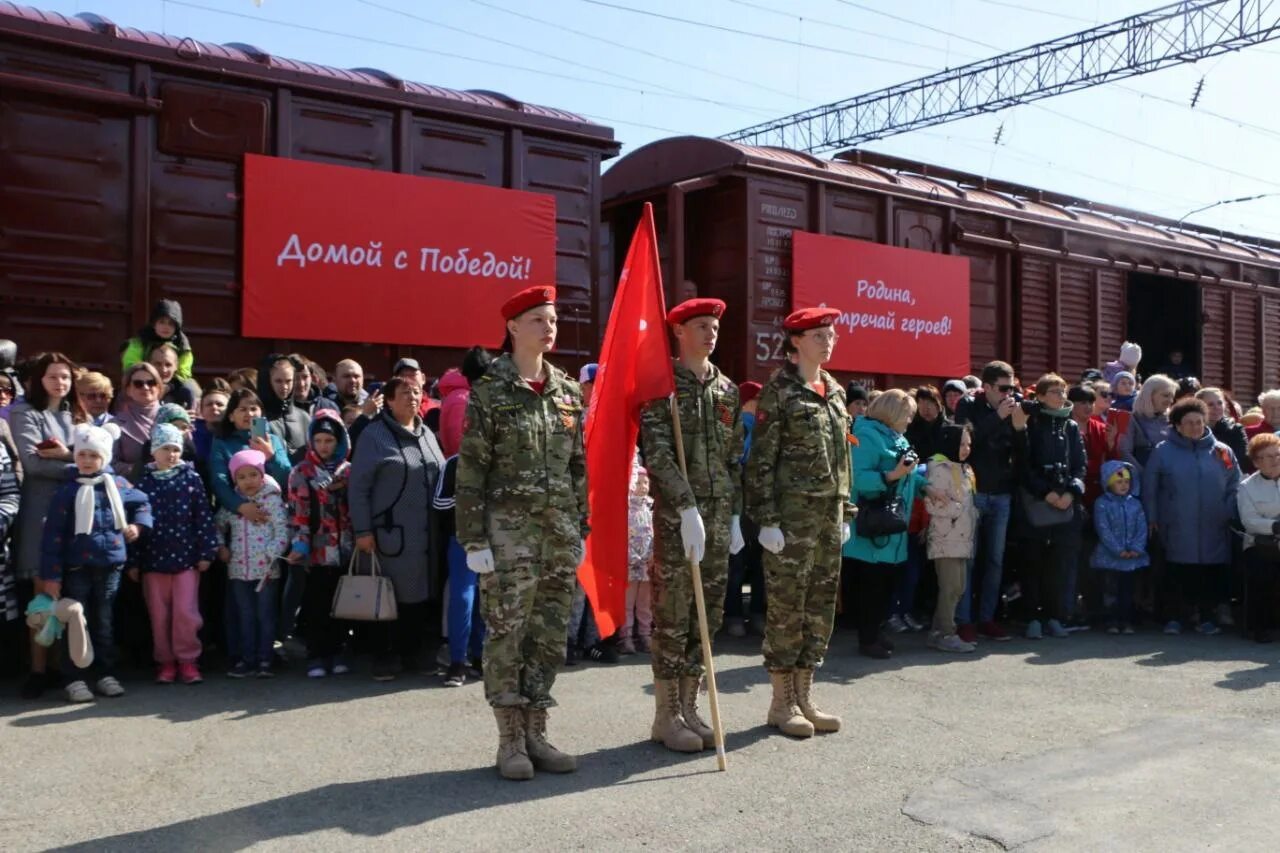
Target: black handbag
x,y
882,516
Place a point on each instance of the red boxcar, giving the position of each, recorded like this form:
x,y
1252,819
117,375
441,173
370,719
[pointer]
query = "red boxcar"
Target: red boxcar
x,y
120,180
1056,282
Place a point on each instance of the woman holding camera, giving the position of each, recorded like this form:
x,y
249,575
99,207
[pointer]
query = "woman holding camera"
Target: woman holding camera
x,y
883,465
1051,478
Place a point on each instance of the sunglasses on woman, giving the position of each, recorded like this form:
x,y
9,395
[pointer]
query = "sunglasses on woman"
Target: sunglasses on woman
x,y
144,383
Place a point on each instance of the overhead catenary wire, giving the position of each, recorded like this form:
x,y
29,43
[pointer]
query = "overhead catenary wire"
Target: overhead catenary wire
x,y
763,36
832,24
640,50
576,78
555,57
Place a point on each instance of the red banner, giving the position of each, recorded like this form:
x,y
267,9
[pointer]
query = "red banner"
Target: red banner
x,y
902,311
339,254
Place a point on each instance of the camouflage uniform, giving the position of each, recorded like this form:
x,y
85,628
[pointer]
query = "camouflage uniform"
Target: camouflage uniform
x,y
798,480
522,491
711,426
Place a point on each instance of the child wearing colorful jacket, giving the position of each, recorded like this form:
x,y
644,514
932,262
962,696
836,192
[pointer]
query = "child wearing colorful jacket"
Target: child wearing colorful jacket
x,y
250,553
173,555
91,520
953,522
322,535
1121,524
639,600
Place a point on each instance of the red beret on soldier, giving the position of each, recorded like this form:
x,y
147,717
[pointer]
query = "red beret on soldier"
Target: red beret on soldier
x,y
748,391
691,308
810,318
529,298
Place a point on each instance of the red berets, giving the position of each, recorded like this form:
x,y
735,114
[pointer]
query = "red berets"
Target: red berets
x,y
748,391
691,308
810,318
530,297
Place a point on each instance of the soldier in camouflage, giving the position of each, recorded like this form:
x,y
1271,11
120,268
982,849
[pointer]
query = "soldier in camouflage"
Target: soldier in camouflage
x,y
797,490
694,518
522,518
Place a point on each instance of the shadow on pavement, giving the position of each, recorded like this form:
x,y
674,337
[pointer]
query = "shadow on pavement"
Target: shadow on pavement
x,y
378,806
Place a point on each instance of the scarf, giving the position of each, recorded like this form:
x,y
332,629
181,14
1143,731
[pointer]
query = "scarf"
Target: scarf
x,y
1064,412
85,498
136,421
167,473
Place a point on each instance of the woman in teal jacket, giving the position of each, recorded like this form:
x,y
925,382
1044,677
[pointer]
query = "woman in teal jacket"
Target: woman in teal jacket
x,y
882,460
235,436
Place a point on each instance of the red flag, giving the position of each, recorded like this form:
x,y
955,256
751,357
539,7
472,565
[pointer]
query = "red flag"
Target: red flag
x,y
635,367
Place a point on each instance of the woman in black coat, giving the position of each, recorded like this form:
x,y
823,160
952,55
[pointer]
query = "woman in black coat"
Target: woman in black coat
x,y
1225,429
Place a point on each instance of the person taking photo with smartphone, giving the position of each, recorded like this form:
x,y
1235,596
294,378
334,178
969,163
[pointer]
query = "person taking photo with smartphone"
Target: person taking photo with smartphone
x,y
995,415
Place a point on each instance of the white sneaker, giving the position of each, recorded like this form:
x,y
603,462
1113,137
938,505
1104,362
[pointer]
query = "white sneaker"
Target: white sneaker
x,y
1055,629
317,671
952,643
340,669
78,691
108,686
1033,630
896,625
912,622
1172,627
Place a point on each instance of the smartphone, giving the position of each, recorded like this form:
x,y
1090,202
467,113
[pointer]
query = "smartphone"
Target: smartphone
x,y
47,444
923,468
374,387
258,429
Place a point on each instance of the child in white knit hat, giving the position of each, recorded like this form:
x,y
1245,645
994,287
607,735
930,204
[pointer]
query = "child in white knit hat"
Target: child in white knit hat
x,y
93,517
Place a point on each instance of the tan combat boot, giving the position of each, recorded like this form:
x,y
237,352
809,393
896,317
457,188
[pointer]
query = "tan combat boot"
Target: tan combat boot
x,y
669,728
689,687
513,756
821,722
541,752
784,711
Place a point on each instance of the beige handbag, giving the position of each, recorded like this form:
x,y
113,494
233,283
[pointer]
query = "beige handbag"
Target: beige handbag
x,y
364,598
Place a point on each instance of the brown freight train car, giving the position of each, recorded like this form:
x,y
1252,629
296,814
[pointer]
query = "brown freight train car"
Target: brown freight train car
x,y
120,180
1055,282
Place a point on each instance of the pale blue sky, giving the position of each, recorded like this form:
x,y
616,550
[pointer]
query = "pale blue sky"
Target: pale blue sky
x,y
1137,143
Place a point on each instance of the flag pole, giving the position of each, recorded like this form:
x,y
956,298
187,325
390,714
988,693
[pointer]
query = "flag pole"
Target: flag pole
x,y
695,570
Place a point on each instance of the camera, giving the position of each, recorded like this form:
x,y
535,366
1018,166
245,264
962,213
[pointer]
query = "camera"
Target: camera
x,y
910,457
1029,406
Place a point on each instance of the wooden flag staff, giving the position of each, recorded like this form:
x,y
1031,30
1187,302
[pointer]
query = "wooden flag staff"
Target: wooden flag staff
x,y
696,571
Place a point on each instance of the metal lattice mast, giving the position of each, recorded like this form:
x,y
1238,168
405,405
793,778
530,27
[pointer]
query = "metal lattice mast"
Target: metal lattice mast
x,y
1181,32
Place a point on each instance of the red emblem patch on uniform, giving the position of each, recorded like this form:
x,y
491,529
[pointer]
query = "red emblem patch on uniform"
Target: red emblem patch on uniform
x,y
761,417
725,414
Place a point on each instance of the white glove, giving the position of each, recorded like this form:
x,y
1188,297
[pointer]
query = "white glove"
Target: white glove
x,y
693,534
736,542
845,532
480,562
771,540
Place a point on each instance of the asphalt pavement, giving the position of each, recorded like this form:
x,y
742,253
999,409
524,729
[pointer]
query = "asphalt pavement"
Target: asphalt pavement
x,y
1094,742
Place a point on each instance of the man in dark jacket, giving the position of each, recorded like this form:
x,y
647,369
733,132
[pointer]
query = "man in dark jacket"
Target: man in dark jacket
x,y
276,376
1052,467
996,416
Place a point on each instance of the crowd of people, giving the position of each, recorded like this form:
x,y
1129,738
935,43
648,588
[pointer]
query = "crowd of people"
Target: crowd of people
x,y
209,525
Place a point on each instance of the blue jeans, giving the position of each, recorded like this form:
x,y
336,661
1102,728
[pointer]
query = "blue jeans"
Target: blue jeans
x,y
95,588
251,621
908,580
993,528
466,628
